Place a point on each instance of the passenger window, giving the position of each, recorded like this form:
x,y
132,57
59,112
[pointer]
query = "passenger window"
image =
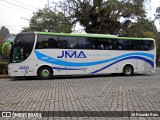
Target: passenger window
x,y
46,42
125,45
148,45
115,44
110,45
137,44
86,43
67,42
103,44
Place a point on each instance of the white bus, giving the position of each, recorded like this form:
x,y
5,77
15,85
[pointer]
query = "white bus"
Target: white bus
x,y
45,54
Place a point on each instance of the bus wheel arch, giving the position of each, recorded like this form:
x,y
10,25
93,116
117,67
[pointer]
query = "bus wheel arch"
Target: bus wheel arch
x,y
128,70
45,72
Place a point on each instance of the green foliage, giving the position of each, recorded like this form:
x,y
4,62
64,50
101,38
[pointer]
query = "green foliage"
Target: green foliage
x,y
3,67
138,28
105,16
4,32
48,20
4,57
153,35
1,49
142,28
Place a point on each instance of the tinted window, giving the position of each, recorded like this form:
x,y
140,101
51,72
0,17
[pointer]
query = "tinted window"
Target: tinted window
x,y
111,44
26,41
116,44
123,44
68,42
45,41
86,43
148,45
96,43
136,45
102,44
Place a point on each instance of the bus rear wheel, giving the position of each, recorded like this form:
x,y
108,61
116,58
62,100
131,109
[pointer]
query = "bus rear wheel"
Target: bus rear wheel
x,y
128,70
45,73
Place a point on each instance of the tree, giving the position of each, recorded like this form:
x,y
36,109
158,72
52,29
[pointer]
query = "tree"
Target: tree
x,y
143,28
157,15
138,28
4,32
1,49
49,20
104,16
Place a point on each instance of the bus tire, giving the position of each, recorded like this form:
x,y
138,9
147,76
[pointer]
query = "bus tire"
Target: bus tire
x,y
45,72
128,70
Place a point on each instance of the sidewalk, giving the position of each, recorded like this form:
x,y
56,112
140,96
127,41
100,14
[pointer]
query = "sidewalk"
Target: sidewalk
x,y
158,68
4,76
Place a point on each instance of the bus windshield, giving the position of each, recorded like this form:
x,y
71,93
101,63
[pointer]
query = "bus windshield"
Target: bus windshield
x,y
22,47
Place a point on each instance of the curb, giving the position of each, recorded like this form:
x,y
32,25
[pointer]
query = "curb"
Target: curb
x,y
7,76
4,76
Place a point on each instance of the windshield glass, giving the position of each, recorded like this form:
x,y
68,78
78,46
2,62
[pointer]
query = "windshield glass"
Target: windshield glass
x,y
22,47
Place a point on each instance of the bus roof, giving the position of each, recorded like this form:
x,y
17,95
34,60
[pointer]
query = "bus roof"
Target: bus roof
x,y
91,35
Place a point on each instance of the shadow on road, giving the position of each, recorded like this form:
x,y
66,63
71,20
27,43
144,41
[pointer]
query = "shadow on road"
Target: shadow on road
x,y
75,77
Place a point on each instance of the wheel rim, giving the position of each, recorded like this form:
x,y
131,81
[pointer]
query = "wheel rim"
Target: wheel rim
x,y
128,71
45,73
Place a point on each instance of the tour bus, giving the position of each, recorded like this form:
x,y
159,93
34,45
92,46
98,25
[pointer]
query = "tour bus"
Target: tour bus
x,y
45,54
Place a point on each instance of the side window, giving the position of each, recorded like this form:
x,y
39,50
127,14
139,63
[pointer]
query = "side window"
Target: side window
x,y
102,44
46,42
110,44
137,44
86,43
67,42
116,44
148,45
125,45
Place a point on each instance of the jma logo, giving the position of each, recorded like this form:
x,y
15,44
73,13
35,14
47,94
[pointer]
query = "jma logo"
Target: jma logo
x,y
72,54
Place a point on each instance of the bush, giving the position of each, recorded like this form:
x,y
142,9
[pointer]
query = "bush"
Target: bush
x,y
3,68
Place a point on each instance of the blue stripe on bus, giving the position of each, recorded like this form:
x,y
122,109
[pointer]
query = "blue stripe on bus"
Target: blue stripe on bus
x,y
59,68
51,60
131,57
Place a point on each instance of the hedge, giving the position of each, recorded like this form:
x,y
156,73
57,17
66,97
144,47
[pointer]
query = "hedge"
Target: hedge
x,y
3,68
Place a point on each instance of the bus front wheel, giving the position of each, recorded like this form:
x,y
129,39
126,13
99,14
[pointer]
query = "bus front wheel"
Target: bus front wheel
x,y
45,72
128,70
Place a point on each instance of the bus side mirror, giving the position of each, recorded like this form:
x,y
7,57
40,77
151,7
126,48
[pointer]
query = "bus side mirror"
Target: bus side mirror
x,y
4,45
